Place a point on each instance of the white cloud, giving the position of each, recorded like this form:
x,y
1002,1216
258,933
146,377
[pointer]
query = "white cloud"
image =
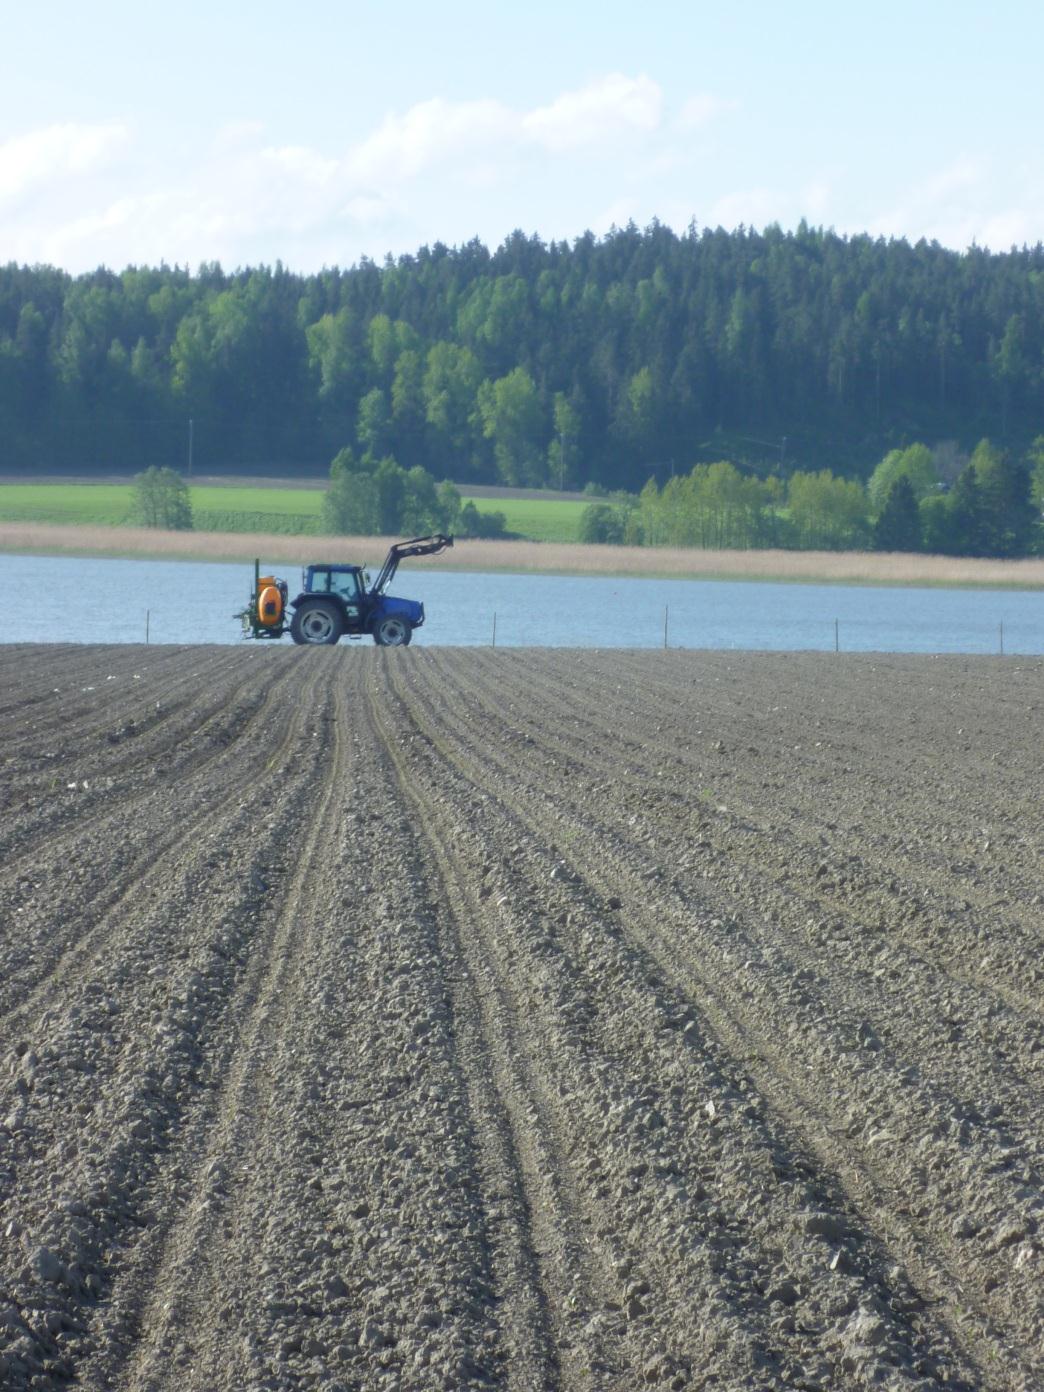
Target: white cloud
x,y
698,111
369,210
934,201
403,146
238,133
963,174
298,162
949,206
55,152
752,207
82,240
596,154
616,214
1012,227
816,200
598,112
438,131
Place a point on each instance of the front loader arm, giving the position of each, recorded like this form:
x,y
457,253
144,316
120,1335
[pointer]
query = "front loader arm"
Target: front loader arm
x,y
419,546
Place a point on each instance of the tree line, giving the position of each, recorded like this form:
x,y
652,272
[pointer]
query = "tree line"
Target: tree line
x,y
993,508
916,499
364,498
604,361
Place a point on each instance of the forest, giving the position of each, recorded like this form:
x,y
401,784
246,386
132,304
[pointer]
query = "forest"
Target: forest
x,y
607,361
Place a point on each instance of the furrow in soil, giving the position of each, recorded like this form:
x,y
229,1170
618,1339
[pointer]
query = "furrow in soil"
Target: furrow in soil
x,y
437,1019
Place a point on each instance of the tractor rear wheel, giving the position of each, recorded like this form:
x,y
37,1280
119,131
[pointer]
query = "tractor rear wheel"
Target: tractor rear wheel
x,y
317,623
392,632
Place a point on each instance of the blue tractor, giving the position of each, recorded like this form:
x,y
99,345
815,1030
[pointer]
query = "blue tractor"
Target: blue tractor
x,y
337,600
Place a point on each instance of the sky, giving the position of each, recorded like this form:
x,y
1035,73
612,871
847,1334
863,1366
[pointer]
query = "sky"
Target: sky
x,y
317,133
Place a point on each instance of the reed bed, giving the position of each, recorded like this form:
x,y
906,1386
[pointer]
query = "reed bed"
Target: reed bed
x,y
556,558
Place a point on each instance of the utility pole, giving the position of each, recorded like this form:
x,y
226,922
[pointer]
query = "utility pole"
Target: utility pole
x,y
190,447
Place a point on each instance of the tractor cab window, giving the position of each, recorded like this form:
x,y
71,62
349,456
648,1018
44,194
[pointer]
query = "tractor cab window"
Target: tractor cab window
x,y
339,582
345,583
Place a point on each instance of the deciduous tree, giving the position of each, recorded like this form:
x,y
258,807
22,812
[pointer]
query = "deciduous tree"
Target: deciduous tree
x,y
915,463
511,417
162,499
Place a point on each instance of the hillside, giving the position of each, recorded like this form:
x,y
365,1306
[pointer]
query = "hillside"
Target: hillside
x,y
615,359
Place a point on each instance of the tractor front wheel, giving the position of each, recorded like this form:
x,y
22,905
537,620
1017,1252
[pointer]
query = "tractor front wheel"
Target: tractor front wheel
x,y
316,623
392,632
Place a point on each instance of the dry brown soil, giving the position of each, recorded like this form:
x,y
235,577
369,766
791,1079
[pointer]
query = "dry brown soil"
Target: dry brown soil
x,y
444,1019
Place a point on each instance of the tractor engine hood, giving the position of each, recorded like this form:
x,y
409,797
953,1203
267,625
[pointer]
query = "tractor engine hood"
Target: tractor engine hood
x,y
412,610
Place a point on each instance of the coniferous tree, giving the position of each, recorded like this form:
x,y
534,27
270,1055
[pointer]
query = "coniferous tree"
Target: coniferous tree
x,y
1009,516
898,525
965,516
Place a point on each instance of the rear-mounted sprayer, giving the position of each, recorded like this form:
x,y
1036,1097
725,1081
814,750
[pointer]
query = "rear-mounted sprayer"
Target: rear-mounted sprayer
x,y
335,601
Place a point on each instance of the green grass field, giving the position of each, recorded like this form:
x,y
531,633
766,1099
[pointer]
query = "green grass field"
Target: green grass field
x,y
279,511
536,519
88,505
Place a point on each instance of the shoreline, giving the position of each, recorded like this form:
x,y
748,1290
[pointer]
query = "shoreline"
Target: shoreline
x,y
534,557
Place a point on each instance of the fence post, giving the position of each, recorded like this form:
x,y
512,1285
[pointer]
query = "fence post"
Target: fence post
x,y
837,641
1002,638
666,611
494,628
146,626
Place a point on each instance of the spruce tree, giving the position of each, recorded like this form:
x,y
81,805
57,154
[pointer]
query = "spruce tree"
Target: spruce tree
x,y
898,527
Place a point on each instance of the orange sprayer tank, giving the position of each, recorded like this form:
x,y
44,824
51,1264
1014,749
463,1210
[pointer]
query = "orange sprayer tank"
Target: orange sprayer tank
x,y
269,602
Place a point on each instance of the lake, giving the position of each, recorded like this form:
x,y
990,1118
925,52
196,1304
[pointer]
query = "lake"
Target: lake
x,y
64,600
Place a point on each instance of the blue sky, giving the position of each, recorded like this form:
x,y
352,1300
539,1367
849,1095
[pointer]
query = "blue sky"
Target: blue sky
x,y
318,133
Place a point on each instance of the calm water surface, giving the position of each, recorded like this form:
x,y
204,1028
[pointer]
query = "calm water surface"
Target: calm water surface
x,y
62,600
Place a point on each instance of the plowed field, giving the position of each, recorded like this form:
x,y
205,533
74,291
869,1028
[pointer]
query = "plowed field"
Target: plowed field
x,y
446,1019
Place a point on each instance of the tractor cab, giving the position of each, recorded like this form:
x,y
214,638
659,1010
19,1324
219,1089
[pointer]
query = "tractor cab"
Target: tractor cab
x,y
345,581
